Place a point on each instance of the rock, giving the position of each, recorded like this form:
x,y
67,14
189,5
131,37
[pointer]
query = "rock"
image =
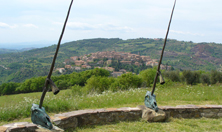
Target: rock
x,y
54,129
3,129
152,116
19,127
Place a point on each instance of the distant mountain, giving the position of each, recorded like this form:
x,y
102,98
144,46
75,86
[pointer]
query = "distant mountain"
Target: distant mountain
x,y
26,49
179,54
22,45
5,51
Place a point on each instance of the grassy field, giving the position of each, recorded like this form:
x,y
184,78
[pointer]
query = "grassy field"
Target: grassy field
x,y
14,108
173,125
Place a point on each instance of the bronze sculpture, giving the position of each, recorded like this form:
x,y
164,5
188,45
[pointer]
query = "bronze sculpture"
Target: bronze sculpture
x,y
150,98
39,115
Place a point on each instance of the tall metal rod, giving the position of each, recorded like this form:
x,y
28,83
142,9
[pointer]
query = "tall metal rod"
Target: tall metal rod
x,y
53,62
158,69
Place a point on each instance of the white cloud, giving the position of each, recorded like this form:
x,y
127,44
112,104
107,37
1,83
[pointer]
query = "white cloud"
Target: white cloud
x,y
5,25
186,33
81,26
30,26
111,27
42,3
103,27
111,18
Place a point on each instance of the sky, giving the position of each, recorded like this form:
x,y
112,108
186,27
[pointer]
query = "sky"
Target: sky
x,y
31,22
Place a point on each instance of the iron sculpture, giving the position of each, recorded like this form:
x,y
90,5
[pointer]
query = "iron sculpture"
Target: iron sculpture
x,y
150,98
38,115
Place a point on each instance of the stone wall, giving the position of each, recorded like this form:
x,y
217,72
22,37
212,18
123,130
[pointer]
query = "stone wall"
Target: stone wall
x,y
193,111
104,116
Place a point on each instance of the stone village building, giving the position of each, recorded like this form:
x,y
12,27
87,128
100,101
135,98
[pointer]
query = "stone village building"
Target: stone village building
x,y
123,57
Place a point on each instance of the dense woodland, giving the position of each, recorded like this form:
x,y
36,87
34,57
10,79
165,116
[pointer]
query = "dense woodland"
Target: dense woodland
x,y
99,80
179,54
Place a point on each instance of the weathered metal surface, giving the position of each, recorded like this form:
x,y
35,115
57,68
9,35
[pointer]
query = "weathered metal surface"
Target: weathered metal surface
x,y
150,98
40,117
150,101
54,88
162,81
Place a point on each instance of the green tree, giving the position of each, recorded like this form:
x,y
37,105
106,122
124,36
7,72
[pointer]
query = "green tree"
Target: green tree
x,y
148,76
205,78
8,88
98,83
191,77
172,75
129,80
215,76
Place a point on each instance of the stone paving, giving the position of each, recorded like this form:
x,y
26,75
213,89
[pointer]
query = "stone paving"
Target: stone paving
x,y
104,116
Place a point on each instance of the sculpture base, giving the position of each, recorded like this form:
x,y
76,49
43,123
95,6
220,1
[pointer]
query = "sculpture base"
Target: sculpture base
x,y
151,116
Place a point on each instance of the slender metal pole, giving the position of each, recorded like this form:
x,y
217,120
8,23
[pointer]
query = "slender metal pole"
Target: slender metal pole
x,y
53,62
158,69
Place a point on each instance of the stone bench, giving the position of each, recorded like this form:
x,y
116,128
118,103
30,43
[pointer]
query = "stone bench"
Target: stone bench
x,y
104,116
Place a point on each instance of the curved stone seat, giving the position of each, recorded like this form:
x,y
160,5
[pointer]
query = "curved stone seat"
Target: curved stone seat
x,y
80,118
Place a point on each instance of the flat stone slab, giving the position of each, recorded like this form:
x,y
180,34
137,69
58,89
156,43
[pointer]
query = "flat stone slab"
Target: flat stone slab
x,y
20,127
91,111
26,127
54,129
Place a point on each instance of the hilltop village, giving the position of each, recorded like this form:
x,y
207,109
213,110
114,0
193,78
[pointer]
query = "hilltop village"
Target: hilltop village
x,y
105,60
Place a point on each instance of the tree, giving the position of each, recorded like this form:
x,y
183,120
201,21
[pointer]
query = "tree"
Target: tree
x,y
205,79
8,88
98,83
215,77
148,76
129,80
172,75
191,77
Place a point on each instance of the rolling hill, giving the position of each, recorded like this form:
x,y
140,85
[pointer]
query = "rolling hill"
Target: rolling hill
x,y
179,54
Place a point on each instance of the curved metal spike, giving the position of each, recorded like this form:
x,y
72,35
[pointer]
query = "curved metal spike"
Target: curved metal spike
x,y
39,115
150,98
158,69
53,62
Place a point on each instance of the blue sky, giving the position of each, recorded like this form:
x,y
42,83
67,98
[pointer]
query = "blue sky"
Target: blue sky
x,y
42,20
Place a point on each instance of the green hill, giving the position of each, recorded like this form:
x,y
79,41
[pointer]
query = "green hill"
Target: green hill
x,y
5,51
179,54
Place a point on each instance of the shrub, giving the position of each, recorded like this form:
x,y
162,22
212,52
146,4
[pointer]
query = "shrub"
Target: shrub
x,y
85,75
31,85
215,77
115,86
148,76
98,83
191,77
62,84
205,79
126,81
172,75
76,90
8,88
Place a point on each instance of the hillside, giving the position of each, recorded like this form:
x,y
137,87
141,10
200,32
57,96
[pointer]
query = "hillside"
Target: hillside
x,y
181,55
5,51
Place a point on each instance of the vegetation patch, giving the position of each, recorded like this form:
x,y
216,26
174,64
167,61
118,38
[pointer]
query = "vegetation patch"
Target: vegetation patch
x,y
172,125
179,54
18,106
